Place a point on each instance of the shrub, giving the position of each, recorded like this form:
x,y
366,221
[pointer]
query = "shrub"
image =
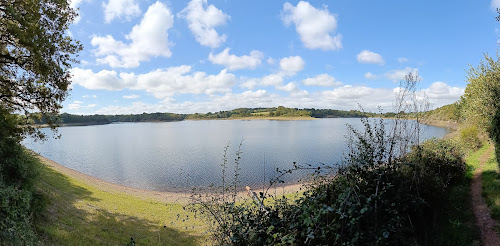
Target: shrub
x,y
362,204
18,171
495,133
469,136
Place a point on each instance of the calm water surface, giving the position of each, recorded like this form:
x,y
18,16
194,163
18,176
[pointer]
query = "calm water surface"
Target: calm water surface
x,y
178,155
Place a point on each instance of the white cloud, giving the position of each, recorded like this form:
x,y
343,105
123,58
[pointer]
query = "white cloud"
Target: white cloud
x,y
441,91
370,75
402,59
233,62
275,79
344,98
161,83
495,4
291,65
133,96
398,75
315,27
87,96
369,57
148,39
290,87
202,20
78,105
121,9
321,80
102,80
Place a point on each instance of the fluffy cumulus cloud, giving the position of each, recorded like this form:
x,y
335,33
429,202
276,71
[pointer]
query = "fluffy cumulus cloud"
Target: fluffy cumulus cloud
x,y
291,65
233,62
102,80
290,87
321,80
440,93
202,20
369,57
398,75
147,39
120,9
316,27
161,83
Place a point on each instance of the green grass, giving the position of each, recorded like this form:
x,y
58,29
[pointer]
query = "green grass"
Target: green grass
x,y
459,226
491,186
80,214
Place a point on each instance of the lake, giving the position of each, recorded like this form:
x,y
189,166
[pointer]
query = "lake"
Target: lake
x,y
174,156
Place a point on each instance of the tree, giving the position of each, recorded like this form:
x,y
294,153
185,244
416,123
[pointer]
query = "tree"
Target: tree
x,y
36,54
481,98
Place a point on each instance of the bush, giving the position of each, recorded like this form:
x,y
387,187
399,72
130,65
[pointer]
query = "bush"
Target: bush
x,y
469,136
362,204
495,133
18,172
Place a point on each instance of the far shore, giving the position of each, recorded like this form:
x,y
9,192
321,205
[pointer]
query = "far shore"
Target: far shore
x,y
161,196
259,118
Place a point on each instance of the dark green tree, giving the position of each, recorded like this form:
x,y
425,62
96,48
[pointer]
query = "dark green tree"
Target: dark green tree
x,y
36,54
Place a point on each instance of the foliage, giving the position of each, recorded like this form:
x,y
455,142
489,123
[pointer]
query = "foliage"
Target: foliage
x,y
289,112
17,175
333,113
35,55
365,202
106,119
481,98
448,112
495,133
469,136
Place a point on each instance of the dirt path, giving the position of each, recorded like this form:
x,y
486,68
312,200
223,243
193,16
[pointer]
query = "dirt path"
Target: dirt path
x,y
481,211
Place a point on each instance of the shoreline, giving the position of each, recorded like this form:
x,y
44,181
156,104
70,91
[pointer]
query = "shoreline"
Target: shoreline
x,y
183,196
259,118
161,196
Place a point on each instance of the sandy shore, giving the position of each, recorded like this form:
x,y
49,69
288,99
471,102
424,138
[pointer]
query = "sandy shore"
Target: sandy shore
x,y
167,197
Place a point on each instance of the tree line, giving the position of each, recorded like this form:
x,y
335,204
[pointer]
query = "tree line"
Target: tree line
x,y
280,111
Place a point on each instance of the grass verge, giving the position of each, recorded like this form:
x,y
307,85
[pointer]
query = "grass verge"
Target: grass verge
x,y
459,225
491,186
81,214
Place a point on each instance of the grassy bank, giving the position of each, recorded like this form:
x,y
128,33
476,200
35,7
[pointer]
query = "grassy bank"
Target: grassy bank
x,y
491,180
81,214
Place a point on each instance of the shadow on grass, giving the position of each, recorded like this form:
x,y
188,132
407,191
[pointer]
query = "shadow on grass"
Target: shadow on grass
x,y
491,192
71,217
458,226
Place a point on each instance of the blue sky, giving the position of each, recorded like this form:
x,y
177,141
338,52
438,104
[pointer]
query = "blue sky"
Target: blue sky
x,y
201,56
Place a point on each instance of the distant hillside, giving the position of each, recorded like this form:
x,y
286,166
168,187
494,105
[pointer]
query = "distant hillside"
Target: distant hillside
x,y
446,116
256,113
